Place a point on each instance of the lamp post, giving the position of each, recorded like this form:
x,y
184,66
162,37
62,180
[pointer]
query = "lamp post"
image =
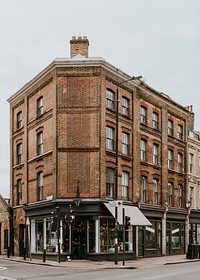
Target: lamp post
x,y
116,161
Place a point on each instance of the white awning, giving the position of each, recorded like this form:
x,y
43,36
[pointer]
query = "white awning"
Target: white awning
x,y
137,217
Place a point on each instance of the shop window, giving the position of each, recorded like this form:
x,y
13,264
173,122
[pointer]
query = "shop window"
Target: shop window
x,y
107,236
38,236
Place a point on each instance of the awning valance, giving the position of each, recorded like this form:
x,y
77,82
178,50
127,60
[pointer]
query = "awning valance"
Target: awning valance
x,y
137,217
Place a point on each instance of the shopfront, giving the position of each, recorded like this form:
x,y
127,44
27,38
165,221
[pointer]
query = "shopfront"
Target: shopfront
x,y
166,236
91,235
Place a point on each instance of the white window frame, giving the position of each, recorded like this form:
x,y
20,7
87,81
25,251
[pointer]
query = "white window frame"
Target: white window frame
x,y
40,108
155,121
40,145
125,185
40,182
155,191
180,195
170,128
155,153
110,134
143,188
110,99
143,149
170,159
143,115
180,132
125,143
170,194
110,182
125,106
19,120
19,153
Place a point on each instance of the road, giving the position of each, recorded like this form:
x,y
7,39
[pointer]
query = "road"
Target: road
x,y
11,270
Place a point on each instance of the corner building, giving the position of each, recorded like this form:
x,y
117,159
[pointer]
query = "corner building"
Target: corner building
x,y
65,159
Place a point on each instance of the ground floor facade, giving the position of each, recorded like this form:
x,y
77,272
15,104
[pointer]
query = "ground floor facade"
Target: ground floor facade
x,y
51,231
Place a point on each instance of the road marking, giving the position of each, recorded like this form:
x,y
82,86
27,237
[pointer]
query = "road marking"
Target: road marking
x,y
6,278
2,268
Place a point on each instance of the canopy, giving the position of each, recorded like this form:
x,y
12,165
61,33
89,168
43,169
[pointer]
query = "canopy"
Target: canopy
x,y
137,217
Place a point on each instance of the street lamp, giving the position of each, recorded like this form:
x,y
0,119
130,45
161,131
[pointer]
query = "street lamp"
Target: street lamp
x,y
116,161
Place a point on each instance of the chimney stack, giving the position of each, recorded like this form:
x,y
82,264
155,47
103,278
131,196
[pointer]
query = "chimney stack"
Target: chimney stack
x,y
79,46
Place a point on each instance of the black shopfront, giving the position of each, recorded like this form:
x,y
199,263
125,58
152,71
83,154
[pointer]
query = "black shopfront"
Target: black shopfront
x,y
91,235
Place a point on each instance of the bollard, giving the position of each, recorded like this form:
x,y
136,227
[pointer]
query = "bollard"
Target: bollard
x,y
44,255
8,252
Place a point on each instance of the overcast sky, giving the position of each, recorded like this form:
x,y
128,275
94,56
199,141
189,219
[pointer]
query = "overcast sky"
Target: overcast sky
x,y
158,39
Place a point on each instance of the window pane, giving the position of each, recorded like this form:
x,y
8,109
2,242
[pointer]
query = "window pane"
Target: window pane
x,y
143,149
40,106
155,120
125,106
125,143
109,138
110,176
40,143
143,115
125,183
110,96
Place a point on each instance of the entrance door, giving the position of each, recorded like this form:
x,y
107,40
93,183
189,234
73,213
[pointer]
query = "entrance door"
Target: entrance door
x,y
78,240
21,240
141,242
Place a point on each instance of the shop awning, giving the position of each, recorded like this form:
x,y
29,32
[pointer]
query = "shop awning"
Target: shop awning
x,y
137,217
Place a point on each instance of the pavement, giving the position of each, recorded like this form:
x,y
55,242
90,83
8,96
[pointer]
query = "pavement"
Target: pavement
x,y
97,265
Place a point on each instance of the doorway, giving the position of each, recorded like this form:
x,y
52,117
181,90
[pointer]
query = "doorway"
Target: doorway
x,y
78,240
21,240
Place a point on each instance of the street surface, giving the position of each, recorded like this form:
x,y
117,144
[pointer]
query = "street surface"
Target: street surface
x,y
11,270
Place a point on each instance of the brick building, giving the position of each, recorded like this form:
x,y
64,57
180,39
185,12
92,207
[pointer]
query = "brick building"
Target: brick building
x,y
65,158
4,225
193,198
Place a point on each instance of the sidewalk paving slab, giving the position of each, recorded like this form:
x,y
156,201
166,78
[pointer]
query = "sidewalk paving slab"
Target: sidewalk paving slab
x,y
97,265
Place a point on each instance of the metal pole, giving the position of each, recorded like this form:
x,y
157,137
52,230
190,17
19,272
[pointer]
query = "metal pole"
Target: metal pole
x,y
124,237
116,176
58,230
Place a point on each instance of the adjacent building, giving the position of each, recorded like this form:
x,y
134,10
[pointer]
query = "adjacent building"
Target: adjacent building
x,y
193,199
4,225
85,137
